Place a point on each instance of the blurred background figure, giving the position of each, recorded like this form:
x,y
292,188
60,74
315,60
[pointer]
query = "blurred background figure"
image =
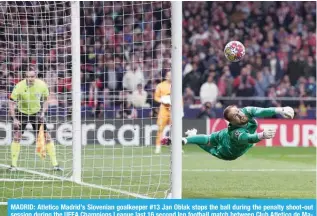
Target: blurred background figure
x,y
209,91
138,97
162,96
206,111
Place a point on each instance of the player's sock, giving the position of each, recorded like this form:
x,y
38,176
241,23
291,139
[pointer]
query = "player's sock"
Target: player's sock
x,y
158,141
158,149
52,152
198,139
15,151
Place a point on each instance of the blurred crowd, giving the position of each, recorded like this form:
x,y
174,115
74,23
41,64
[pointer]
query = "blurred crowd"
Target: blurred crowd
x,y
34,36
125,52
280,41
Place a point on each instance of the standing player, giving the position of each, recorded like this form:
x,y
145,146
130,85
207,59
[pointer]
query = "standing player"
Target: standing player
x,y
163,96
30,97
240,136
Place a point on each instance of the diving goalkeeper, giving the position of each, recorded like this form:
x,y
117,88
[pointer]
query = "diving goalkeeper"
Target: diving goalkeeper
x,y
29,96
240,136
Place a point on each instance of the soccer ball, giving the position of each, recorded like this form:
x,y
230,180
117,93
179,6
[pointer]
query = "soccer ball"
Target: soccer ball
x,y
234,51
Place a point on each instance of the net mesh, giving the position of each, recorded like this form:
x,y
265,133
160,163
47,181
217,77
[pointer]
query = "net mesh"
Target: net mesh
x,y
125,53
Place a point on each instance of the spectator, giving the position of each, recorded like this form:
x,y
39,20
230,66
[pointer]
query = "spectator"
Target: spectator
x,y
193,80
310,67
225,82
272,96
291,93
267,74
132,78
103,102
261,84
53,103
4,99
189,97
206,111
301,111
283,86
274,65
209,91
294,68
127,111
311,87
121,49
52,100
138,97
244,85
279,38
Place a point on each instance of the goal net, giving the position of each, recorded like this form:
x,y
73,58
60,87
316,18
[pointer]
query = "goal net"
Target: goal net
x,y
121,52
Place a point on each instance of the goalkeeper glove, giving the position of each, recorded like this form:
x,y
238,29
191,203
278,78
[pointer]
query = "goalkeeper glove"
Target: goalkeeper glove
x,y
286,112
267,134
166,99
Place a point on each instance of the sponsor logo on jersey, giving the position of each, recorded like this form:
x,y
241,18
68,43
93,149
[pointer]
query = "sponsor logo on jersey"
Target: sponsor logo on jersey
x,y
237,133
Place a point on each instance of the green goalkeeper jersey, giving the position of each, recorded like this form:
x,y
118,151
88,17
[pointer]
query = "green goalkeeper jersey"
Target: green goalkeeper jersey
x,y
234,141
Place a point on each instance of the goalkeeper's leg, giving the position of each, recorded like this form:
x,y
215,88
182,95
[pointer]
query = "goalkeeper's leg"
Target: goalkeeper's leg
x,y
192,138
202,140
163,120
205,142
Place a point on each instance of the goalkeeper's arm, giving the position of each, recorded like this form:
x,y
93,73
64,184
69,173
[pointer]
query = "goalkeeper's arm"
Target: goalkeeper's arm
x,y
286,112
245,138
158,97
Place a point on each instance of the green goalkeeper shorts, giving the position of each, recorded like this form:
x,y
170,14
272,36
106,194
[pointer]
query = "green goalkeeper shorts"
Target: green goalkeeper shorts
x,y
222,148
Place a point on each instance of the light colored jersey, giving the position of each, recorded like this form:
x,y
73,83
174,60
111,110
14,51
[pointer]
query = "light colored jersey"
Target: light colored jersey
x,y
29,98
162,89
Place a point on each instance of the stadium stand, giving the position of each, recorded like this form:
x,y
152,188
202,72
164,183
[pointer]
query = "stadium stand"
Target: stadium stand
x,y
280,41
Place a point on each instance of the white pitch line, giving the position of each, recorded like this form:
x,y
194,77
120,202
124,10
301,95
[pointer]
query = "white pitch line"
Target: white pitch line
x,y
249,170
25,180
80,183
201,170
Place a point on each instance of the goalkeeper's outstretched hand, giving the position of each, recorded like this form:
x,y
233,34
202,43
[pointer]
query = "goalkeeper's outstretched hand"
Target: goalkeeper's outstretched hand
x,y
267,134
286,112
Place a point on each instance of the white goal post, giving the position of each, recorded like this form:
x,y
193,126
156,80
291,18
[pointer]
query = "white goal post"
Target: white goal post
x,y
177,99
105,153
76,92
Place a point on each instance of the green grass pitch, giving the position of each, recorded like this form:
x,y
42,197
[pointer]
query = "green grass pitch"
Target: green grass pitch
x,y
262,173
